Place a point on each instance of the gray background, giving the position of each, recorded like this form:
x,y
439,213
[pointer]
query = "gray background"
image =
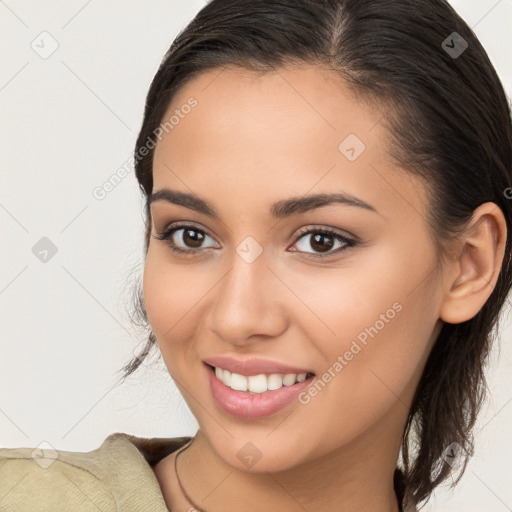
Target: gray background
x,y
69,122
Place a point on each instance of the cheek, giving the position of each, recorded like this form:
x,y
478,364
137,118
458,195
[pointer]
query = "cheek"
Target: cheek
x,y
170,297
345,303
381,299
373,330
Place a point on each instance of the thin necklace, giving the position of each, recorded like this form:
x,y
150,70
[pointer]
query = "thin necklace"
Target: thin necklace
x,y
178,478
197,509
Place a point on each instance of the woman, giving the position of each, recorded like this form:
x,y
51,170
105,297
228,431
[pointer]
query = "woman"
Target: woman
x,y
328,212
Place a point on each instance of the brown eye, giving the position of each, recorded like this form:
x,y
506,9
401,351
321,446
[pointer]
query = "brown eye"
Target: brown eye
x,y
192,237
184,238
322,241
187,239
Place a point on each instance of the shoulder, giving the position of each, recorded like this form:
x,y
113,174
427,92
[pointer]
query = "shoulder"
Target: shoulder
x,y
111,477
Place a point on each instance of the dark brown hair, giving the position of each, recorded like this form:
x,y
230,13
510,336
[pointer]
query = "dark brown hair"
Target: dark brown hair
x,y
449,123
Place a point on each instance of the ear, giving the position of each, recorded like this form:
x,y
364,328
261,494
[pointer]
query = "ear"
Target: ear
x,y
474,268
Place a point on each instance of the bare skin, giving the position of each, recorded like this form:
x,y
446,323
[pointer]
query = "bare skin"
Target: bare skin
x,y
253,140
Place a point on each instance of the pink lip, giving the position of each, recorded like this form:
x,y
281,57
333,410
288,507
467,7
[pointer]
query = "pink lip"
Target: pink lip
x,y
253,406
253,366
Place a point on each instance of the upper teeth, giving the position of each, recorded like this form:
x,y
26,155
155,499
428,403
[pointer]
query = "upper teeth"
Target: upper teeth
x,y
257,383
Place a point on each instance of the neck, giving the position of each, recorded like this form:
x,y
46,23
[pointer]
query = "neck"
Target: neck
x,y
355,477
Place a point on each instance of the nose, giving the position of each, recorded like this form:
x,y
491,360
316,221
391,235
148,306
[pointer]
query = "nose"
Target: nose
x,y
248,303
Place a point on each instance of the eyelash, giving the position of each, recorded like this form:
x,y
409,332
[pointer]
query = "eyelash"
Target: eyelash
x,y
167,233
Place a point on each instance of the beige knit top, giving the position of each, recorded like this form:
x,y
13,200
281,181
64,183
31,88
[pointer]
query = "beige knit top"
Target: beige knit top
x,y
117,476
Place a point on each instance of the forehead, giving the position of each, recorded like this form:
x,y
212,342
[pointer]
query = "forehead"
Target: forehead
x,y
282,133
281,108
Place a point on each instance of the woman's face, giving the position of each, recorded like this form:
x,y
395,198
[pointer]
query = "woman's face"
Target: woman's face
x,y
361,315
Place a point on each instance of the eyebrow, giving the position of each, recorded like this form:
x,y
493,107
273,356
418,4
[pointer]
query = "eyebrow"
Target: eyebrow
x,y
278,210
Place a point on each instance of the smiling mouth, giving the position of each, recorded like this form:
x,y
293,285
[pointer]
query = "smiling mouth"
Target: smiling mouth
x,y
260,383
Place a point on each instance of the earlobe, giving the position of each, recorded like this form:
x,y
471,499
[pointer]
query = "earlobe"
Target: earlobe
x,y
472,275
